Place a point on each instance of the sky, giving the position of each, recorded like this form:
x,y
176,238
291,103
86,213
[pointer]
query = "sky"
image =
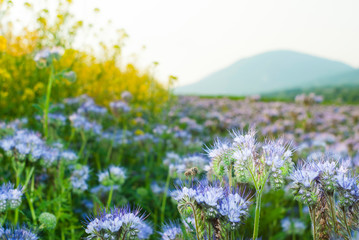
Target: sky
x,y
193,38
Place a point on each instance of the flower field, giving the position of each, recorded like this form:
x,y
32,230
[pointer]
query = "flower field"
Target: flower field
x,y
93,150
99,166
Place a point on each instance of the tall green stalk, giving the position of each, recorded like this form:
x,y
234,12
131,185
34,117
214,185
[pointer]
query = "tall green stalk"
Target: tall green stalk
x,y
163,207
333,213
47,103
257,214
314,225
346,224
109,200
230,175
83,144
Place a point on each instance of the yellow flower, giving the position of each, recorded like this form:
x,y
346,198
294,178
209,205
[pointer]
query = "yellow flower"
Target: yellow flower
x,y
39,87
28,95
2,43
139,132
4,94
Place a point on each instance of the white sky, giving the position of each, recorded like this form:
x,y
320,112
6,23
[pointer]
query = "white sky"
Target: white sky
x,y
193,38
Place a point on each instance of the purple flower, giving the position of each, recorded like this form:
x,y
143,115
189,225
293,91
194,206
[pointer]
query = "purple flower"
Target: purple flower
x,y
126,222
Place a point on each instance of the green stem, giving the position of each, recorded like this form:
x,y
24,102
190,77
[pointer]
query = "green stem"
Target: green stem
x,y
209,232
47,102
333,213
98,163
28,177
314,226
230,175
3,219
163,207
83,145
109,198
195,220
257,213
71,137
300,206
71,224
253,178
346,224
108,155
17,172
30,200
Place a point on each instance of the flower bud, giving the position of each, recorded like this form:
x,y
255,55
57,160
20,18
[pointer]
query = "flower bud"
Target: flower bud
x,y
48,220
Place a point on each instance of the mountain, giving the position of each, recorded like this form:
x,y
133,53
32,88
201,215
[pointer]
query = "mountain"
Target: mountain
x,y
342,88
270,72
349,78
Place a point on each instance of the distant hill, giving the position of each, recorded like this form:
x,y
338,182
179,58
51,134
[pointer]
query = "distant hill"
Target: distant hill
x,y
350,78
331,94
271,72
341,88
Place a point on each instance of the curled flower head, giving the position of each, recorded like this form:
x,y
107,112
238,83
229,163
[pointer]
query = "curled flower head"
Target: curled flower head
x,y
234,206
346,181
244,140
208,194
79,178
216,200
184,192
327,167
304,179
171,231
219,149
304,176
276,153
124,222
113,176
10,197
22,233
348,189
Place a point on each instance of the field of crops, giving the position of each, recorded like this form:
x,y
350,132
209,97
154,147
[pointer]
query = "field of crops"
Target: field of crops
x,y
92,149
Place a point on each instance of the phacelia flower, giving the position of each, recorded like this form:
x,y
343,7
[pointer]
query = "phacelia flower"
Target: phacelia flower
x,y
171,231
18,233
10,197
113,176
118,222
79,178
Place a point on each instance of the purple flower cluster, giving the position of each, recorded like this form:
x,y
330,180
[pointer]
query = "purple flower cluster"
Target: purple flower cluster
x,y
118,223
18,233
10,197
25,144
171,231
81,123
328,174
79,178
245,157
216,200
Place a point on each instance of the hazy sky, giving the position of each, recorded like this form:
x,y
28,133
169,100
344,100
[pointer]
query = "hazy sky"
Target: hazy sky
x,y
193,38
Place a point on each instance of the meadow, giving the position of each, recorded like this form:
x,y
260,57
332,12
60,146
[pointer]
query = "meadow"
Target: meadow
x,y
92,149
